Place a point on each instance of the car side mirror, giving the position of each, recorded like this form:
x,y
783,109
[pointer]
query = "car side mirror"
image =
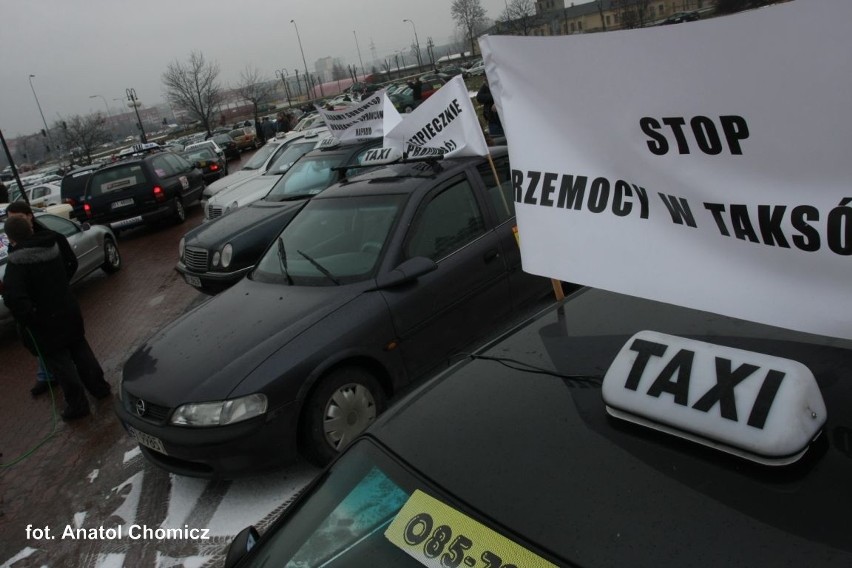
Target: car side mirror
x,y
241,545
408,271
85,226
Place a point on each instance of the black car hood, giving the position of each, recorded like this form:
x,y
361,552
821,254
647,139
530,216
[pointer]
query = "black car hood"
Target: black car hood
x,y
220,231
602,492
206,353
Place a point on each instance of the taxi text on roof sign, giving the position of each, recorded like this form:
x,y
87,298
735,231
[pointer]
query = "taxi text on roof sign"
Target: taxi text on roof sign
x,y
763,408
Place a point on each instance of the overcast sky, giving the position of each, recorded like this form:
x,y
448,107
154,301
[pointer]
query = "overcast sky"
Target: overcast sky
x,y
79,48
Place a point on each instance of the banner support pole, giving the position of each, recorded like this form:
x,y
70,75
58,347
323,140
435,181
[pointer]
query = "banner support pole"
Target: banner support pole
x,y
557,285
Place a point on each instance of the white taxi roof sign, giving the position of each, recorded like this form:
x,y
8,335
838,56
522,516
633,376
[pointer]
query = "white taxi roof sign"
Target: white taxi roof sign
x,y
328,142
381,156
760,407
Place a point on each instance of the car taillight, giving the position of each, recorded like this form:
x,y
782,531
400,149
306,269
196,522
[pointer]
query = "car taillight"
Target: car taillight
x,y
214,167
71,201
159,194
88,209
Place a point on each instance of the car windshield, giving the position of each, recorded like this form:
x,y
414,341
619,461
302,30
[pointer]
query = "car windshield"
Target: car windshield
x,y
332,241
293,152
261,156
309,175
367,511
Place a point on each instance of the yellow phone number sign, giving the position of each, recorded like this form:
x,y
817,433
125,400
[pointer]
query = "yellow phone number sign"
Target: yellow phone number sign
x,y
438,536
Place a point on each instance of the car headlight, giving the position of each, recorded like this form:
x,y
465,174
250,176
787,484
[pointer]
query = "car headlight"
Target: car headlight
x,y
181,247
230,208
216,256
227,255
220,413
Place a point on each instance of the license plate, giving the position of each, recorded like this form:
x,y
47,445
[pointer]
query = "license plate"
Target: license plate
x,y
126,222
193,280
146,440
121,203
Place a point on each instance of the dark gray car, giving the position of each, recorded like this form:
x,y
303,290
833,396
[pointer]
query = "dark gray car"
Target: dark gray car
x,y
377,282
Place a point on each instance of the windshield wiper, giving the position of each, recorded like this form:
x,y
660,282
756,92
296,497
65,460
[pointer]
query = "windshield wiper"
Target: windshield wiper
x,y
282,258
321,268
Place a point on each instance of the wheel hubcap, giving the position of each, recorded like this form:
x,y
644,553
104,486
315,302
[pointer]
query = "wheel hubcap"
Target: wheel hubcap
x,y
348,413
112,255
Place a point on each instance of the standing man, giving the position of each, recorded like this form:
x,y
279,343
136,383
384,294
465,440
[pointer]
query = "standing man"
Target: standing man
x,y
23,210
4,193
268,129
416,91
37,293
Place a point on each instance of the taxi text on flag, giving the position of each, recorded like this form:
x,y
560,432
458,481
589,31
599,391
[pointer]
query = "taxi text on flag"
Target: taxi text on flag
x,y
363,121
685,165
444,125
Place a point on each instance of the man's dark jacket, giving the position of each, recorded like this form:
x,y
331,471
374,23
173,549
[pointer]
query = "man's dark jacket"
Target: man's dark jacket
x,y
38,294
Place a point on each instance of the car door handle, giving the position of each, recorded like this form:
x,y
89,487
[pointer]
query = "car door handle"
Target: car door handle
x,y
490,255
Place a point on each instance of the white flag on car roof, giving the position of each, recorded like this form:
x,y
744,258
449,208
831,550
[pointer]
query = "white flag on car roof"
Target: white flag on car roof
x,y
363,121
444,125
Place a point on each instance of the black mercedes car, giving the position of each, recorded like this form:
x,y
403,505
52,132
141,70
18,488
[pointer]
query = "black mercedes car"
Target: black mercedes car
x,y
377,282
605,431
219,253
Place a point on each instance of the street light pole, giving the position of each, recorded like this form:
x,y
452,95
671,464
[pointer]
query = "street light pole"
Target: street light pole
x,y
305,63
134,102
363,70
107,109
282,73
43,121
416,42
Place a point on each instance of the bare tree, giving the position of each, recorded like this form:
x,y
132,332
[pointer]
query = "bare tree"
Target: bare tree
x,y
256,89
469,16
83,134
601,13
193,87
518,16
632,13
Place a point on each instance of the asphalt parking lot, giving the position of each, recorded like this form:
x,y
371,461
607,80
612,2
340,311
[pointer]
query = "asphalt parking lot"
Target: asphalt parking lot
x,y
80,494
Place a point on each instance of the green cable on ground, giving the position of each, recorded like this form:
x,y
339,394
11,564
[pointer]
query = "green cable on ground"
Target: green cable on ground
x,y
32,450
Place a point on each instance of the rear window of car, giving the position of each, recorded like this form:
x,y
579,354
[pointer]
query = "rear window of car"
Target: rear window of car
x,y
74,183
115,179
200,154
236,133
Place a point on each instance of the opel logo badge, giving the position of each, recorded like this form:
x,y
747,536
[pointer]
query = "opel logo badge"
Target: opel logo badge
x,y
140,407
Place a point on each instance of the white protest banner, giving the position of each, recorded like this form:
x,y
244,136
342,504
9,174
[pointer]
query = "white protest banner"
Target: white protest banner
x,y
363,121
705,164
444,125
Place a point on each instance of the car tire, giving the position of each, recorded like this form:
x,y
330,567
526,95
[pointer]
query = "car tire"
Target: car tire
x,y
112,258
180,211
341,406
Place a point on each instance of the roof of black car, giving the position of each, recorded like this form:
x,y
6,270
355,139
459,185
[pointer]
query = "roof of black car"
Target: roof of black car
x,y
523,443
402,176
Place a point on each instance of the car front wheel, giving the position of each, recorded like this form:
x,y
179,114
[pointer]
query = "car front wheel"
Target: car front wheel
x,y
112,258
342,406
